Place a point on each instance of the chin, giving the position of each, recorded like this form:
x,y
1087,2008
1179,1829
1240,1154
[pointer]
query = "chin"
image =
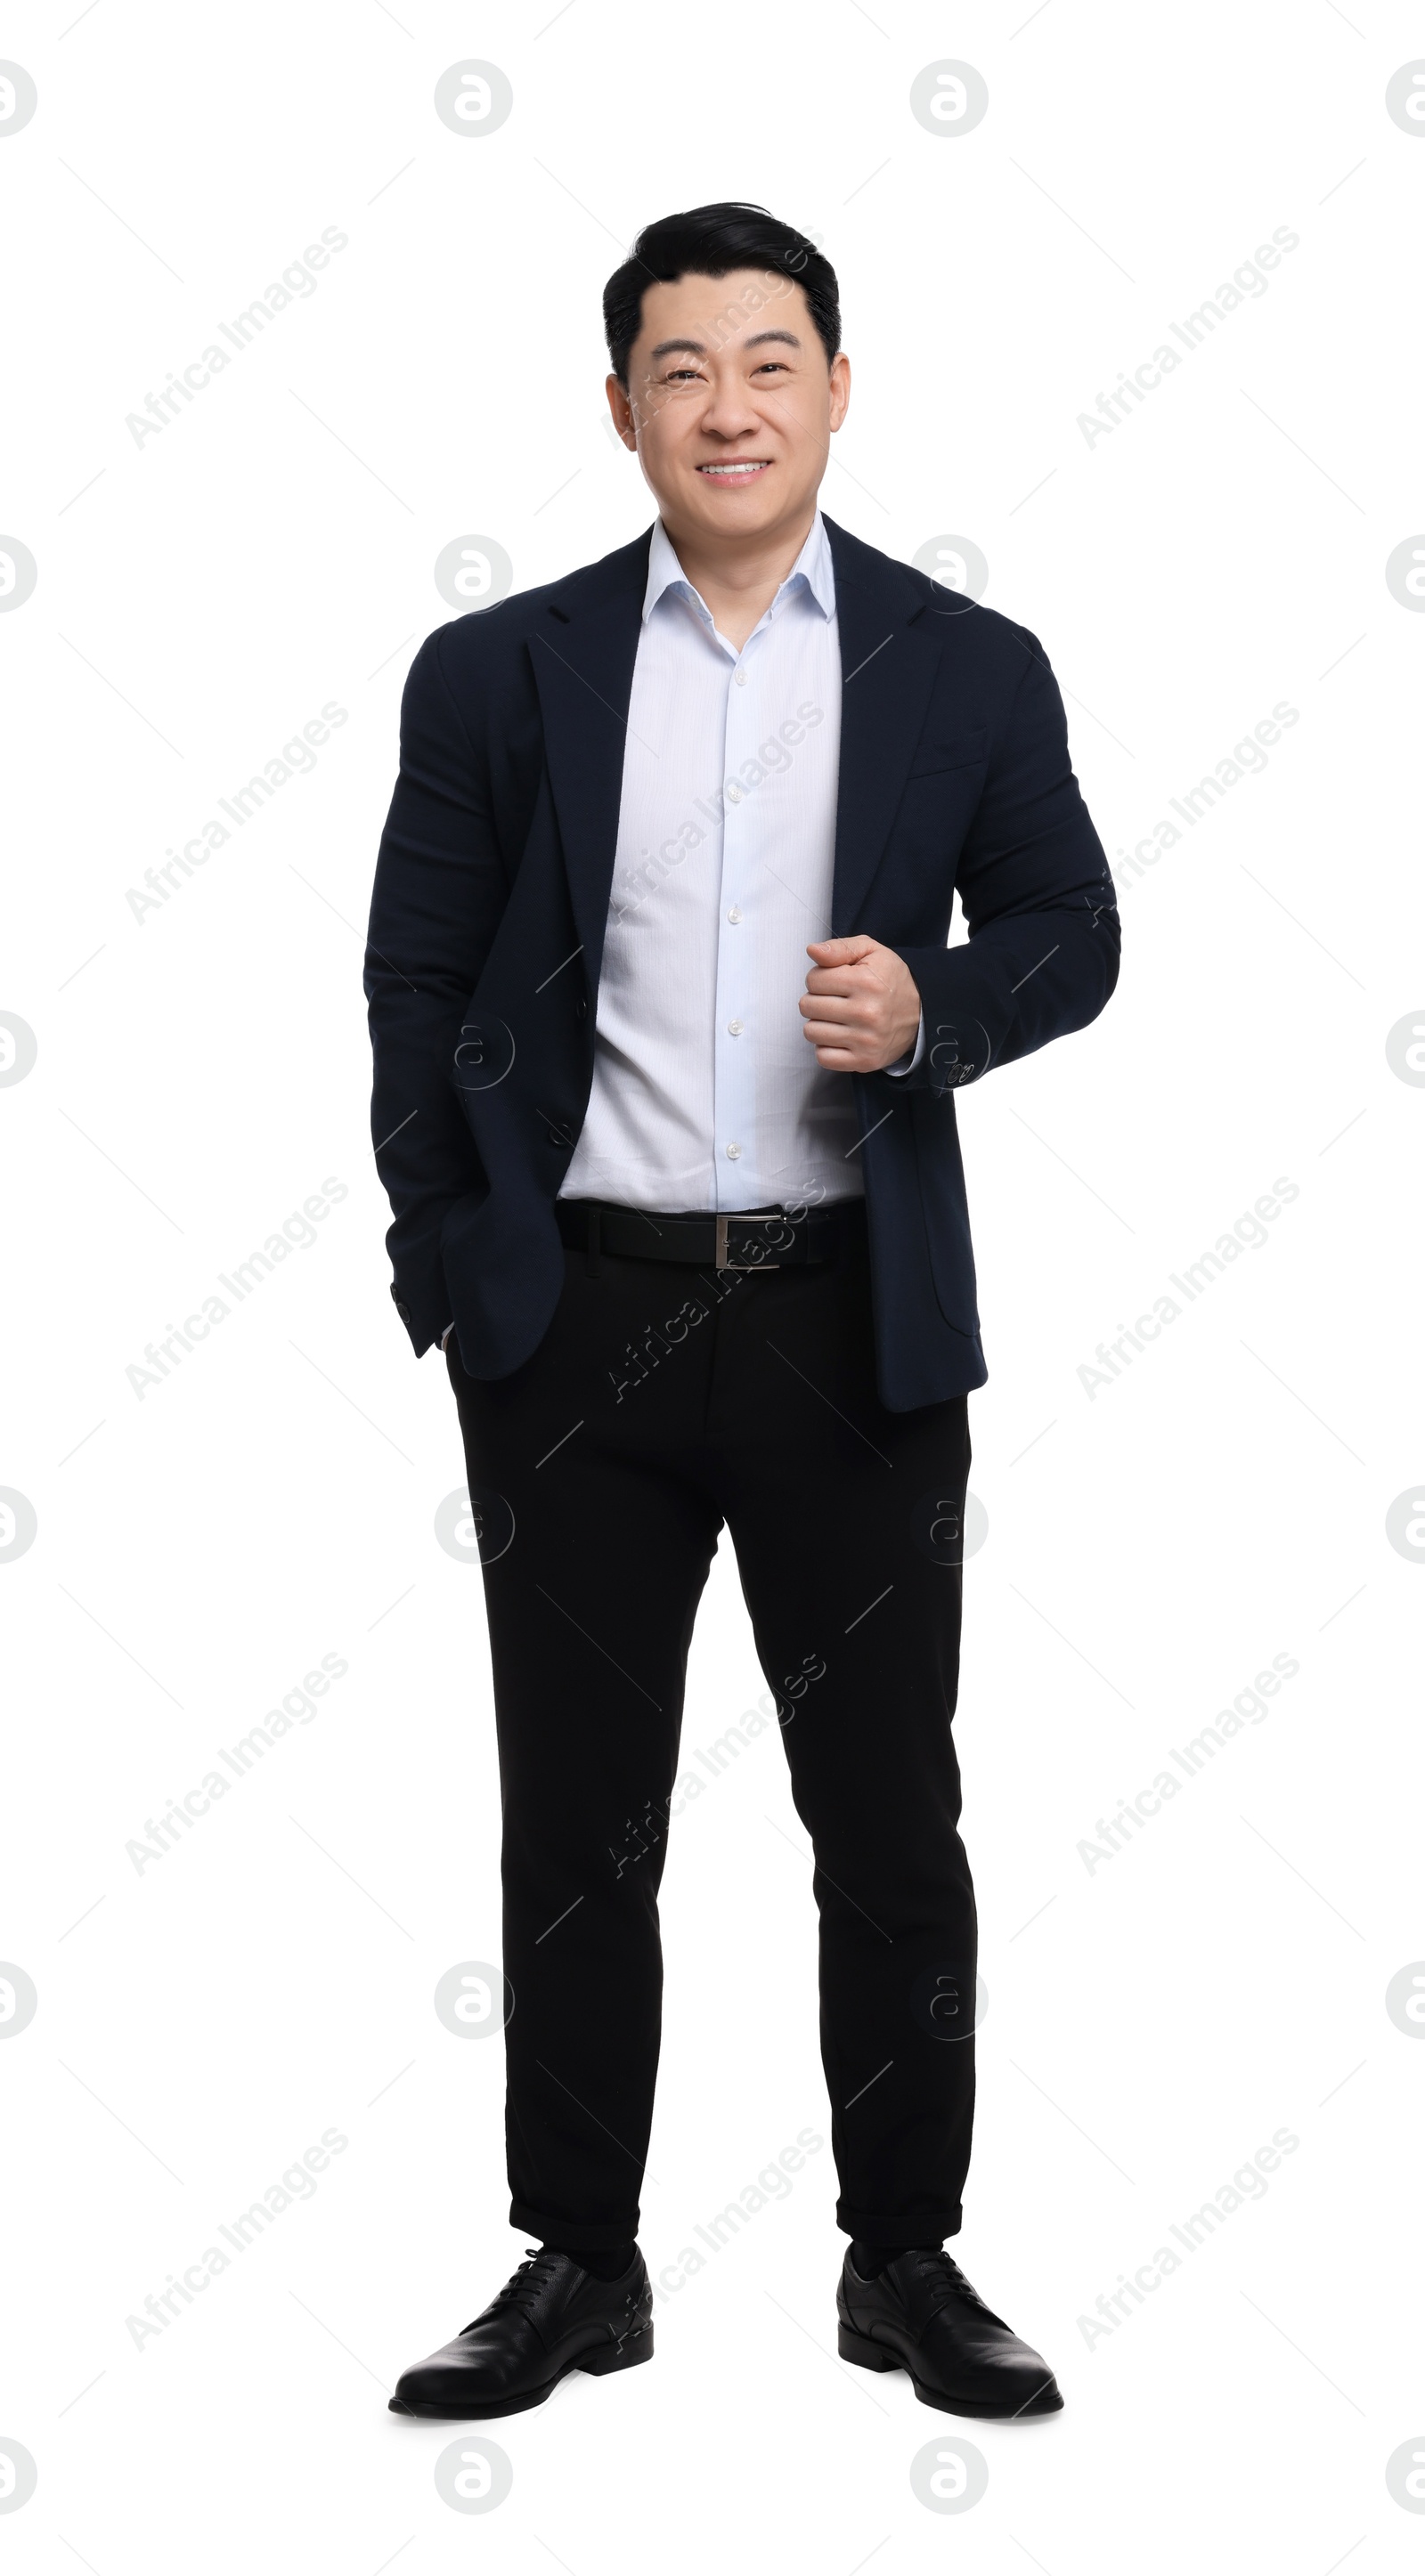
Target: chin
x,y
763,501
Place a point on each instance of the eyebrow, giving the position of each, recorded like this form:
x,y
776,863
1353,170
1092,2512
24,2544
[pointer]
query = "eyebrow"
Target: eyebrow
x,y
698,348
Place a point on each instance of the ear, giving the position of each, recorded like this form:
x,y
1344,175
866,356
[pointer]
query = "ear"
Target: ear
x,y
622,411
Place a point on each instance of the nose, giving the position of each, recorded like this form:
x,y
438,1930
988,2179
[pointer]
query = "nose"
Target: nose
x,y
728,412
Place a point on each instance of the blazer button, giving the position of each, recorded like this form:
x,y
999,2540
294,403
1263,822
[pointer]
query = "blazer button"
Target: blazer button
x,y
581,1009
404,1312
554,1136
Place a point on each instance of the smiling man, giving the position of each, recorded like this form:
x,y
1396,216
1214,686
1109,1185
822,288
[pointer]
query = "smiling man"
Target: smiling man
x,y
667,1034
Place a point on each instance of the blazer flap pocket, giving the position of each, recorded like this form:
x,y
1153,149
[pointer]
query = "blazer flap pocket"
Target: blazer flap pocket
x,y
955,753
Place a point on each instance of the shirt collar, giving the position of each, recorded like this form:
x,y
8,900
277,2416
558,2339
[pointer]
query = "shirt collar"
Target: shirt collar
x,y
812,570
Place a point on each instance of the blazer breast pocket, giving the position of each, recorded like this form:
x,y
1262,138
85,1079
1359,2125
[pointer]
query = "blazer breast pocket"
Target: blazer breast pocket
x,y
958,751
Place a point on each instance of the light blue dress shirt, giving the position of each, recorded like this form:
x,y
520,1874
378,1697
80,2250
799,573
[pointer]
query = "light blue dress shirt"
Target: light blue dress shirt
x,y
706,1095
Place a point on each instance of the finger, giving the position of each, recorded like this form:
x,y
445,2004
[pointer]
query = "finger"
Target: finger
x,y
833,1006
822,1033
840,952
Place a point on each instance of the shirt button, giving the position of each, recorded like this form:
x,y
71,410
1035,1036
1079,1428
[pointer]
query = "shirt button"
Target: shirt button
x,y
735,915
733,1152
740,677
734,1028
734,794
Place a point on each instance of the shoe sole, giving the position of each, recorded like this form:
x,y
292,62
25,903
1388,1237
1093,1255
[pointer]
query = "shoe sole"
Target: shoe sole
x,y
875,2356
599,2364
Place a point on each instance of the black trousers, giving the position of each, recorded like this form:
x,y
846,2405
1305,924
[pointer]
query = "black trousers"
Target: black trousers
x,y
663,1402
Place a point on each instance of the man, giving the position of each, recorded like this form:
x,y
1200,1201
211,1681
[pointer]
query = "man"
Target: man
x,y
688,1218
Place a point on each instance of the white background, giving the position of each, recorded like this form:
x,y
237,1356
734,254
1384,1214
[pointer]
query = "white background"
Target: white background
x,y
202,1069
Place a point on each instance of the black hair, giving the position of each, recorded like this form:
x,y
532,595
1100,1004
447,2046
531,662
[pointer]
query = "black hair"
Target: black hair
x,y
710,241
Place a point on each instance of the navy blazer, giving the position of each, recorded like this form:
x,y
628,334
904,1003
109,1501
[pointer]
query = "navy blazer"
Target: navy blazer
x,y
492,893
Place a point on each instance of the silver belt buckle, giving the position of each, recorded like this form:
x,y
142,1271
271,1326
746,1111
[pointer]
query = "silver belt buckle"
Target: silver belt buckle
x,y
720,1259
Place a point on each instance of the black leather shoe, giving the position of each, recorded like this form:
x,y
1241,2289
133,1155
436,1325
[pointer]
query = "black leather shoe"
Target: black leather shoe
x,y
921,2315
551,2317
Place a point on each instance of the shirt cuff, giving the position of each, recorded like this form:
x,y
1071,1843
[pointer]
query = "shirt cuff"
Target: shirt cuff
x,y
445,1336
907,1063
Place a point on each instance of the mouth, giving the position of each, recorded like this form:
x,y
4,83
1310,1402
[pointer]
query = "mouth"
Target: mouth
x,y
745,470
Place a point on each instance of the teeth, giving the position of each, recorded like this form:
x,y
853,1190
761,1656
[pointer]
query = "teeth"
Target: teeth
x,y
725,470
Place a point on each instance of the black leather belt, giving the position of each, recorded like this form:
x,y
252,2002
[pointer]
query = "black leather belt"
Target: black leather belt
x,y
764,1239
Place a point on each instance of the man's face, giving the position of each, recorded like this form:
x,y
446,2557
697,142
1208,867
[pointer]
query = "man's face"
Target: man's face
x,y
730,402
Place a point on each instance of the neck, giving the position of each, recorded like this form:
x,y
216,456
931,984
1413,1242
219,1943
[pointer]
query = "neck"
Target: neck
x,y
740,578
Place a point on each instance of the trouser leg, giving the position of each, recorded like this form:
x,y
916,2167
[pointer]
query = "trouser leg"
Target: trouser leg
x,y
590,1608
846,1520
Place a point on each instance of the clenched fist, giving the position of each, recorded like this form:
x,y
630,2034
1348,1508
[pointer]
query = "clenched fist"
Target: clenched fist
x,y
861,1007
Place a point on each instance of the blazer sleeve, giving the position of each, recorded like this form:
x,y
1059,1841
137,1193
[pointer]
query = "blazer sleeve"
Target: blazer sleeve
x,y
1043,947
439,890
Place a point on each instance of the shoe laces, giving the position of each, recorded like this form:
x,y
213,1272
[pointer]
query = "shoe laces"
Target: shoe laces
x,y
945,2278
525,2286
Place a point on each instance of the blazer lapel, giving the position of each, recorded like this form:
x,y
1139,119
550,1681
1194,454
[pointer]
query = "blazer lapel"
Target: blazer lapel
x,y
888,665
583,659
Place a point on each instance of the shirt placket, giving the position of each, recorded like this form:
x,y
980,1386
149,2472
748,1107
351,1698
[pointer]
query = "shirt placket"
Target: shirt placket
x,y
734,1084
